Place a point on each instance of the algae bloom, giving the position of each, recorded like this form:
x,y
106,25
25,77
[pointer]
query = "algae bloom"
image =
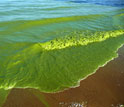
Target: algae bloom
x,y
52,45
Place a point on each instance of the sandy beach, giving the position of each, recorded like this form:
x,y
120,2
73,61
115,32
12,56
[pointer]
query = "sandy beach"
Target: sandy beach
x,y
105,88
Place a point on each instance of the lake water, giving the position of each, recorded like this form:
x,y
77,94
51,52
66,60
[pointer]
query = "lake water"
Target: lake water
x,y
39,9
51,45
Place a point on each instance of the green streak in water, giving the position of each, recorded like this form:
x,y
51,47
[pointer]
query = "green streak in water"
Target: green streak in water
x,y
16,26
40,96
3,96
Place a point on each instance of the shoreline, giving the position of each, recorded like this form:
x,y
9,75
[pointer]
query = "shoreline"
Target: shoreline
x,y
104,88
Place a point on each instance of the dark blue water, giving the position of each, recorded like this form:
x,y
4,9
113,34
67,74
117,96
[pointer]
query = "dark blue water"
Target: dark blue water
x,y
118,3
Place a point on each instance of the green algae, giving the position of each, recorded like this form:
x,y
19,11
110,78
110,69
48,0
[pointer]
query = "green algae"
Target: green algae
x,y
40,96
15,26
3,96
79,38
56,53
56,69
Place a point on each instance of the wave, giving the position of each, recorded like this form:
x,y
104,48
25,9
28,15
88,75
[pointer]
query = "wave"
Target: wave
x,y
79,38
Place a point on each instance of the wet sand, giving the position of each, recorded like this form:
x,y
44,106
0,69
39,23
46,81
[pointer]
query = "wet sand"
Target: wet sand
x,y
105,88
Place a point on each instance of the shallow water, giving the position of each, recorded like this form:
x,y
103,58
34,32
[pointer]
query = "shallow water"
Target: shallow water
x,y
51,45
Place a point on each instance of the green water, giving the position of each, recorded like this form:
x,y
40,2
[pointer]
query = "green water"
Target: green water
x,y
55,49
